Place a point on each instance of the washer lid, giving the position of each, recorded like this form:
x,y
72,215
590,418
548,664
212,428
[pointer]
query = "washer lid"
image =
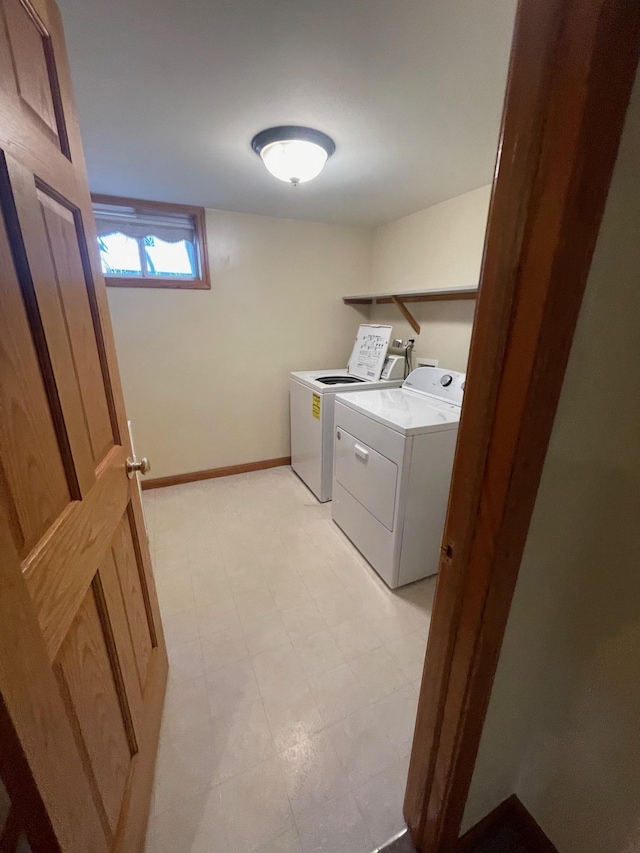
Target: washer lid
x,y
369,352
405,412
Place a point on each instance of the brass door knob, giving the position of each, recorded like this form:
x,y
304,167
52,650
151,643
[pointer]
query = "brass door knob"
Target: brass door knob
x,y
134,467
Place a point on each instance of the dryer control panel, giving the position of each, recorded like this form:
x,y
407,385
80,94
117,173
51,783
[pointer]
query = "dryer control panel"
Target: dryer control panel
x,y
446,385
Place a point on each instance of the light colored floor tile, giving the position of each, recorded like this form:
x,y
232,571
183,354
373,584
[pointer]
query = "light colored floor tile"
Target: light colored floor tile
x,y
223,647
186,706
318,653
243,739
210,585
290,592
362,746
355,637
175,591
393,626
313,773
293,716
377,673
254,603
409,652
380,802
288,842
303,620
246,579
231,687
180,627
283,646
320,580
278,670
185,661
334,827
396,715
337,606
338,693
265,632
170,559
216,616
256,807
186,766
193,826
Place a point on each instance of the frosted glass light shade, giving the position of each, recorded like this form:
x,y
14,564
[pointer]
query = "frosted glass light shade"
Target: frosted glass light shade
x,y
293,154
294,160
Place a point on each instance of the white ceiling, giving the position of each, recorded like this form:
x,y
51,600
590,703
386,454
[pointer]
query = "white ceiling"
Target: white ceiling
x,y
170,93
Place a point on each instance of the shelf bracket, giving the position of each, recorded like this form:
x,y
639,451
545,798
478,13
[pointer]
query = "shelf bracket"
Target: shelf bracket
x,y
408,316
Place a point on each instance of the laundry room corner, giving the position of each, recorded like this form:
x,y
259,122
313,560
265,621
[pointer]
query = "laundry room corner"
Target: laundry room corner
x,y
438,247
205,372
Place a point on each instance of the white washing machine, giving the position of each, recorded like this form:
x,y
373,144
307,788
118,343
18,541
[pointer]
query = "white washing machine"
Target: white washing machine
x,y
393,458
312,395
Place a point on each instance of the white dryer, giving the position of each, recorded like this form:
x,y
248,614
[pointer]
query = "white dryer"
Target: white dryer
x,y
312,395
393,457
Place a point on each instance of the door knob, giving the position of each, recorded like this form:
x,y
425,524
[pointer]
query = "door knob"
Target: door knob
x,y
133,467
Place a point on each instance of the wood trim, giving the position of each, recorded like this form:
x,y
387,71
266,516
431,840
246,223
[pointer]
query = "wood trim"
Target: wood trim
x,y
202,282
157,283
213,473
160,206
512,812
10,835
573,63
435,295
408,316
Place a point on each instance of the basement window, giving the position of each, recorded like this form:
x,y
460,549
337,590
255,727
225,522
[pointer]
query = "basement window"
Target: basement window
x,y
151,244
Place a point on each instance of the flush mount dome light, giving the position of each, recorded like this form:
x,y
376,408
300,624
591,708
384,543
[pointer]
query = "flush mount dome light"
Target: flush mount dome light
x,y
293,154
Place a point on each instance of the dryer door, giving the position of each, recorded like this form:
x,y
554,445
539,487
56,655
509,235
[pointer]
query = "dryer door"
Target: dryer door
x,y
367,475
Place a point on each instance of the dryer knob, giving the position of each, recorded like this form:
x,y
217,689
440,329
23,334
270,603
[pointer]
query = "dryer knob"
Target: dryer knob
x,y
446,380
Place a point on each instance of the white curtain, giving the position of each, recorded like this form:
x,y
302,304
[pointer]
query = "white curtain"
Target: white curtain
x,y
170,227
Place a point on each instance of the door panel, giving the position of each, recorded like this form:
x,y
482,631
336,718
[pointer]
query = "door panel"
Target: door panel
x,y
125,591
133,590
84,615
34,69
31,464
56,591
85,669
73,295
50,331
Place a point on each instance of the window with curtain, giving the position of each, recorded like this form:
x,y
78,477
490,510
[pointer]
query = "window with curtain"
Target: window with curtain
x,y
151,244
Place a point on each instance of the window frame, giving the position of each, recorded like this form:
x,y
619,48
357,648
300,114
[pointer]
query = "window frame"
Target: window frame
x,y
200,282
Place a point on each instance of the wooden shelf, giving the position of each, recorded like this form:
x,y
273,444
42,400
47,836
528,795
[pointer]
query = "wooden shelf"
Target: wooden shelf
x,y
412,296
399,299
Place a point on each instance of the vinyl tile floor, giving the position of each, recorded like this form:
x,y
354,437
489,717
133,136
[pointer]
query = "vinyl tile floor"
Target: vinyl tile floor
x,y
294,674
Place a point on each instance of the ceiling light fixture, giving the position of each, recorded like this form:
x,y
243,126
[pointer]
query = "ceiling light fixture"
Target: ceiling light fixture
x,y
293,154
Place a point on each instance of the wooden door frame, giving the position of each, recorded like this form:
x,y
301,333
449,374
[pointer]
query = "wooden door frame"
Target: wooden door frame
x,y
572,67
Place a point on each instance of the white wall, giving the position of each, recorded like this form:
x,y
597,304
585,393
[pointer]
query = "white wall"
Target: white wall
x,y
440,246
563,725
205,373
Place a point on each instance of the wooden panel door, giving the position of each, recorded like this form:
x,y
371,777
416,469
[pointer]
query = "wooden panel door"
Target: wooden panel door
x,y
82,657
